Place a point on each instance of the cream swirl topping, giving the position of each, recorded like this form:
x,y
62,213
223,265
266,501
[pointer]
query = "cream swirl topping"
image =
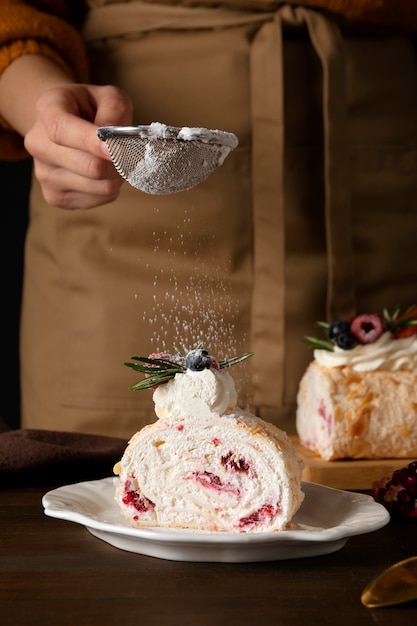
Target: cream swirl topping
x,y
384,354
191,394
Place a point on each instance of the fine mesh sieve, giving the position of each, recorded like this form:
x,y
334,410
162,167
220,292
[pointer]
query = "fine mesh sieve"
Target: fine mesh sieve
x,y
160,159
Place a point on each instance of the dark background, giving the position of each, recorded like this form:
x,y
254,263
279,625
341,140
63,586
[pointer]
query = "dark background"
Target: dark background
x,y
15,184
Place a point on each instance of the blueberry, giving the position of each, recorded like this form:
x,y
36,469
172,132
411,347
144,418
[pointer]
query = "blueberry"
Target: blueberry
x,y
345,340
341,326
198,360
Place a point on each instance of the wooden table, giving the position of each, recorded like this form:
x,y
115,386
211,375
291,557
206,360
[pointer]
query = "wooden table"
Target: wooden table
x,y
54,572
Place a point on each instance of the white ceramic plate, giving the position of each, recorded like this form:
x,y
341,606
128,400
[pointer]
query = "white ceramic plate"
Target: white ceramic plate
x,y
323,524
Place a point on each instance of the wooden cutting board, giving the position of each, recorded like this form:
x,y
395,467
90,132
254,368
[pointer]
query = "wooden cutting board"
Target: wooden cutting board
x,y
345,474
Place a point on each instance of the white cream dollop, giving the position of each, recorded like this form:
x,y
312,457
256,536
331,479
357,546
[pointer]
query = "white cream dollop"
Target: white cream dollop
x,y
386,353
192,394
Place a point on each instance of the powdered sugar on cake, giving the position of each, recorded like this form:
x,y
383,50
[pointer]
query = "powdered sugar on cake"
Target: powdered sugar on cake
x,y
206,464
196,393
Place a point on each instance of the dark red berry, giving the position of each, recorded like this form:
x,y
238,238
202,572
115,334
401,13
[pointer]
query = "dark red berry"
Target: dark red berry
x,y
138,501
163,356
398,493
235,463
408,331
260,516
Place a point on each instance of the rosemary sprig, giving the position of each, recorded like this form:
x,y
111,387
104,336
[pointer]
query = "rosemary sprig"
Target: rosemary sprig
x,y
399,323
315,343
235,360
398,320
160,370
157,371
152,381
147,365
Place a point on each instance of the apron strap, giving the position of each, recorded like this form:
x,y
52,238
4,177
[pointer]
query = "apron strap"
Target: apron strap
x,y
328,43
139,18
268,144
268,311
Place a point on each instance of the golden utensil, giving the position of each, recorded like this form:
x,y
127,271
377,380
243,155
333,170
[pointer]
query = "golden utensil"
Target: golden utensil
x,y
394,585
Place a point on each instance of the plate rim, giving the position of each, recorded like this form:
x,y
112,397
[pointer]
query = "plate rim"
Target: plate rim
x,y
52,503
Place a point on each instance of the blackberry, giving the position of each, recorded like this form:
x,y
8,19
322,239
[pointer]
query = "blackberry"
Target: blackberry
x,y
345,340
198,360
336,328
398,493
340,333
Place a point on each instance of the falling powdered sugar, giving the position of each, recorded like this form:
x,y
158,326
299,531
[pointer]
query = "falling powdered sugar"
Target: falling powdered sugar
x,y
192,307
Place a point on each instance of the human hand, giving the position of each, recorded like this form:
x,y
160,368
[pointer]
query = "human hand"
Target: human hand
x,y
73,166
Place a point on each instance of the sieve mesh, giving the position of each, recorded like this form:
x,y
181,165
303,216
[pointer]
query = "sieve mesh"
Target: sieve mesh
x,y
159,159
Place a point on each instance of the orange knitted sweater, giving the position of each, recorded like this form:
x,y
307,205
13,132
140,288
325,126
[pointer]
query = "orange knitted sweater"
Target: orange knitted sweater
x,y
45,27
37,27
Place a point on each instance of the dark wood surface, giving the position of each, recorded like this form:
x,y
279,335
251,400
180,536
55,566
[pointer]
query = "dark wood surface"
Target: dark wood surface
x,y
53,572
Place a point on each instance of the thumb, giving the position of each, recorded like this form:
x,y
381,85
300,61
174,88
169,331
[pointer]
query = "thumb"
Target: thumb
x,y
114,106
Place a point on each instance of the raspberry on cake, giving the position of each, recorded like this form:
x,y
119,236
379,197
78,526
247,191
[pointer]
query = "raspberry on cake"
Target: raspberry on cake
x,y
358,397
206,464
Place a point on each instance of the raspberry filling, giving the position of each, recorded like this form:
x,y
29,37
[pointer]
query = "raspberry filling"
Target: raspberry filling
x,y
327,417
212,481
235,463
135,499
259,517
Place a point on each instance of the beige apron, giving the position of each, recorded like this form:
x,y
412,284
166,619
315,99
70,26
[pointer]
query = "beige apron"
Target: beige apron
x,y
313,216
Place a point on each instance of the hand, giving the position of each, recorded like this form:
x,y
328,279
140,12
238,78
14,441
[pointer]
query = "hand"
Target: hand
x,y
72,165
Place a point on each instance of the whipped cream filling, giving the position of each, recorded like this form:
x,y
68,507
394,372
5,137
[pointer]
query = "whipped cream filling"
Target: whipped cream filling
x,y
384,354
192,394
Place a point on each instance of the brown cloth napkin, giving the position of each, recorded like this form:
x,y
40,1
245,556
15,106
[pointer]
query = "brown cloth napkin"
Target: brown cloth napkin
x,y
43,457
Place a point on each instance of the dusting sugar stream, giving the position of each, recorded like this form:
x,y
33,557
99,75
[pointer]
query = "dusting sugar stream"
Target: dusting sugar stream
x,y
194,307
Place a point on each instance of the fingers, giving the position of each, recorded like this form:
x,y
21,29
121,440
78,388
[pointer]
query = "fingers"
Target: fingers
x,y
114,107
69,116
72,194
78,159
67,189
71,163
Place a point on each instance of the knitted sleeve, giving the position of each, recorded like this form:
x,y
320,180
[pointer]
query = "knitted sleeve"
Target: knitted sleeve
x,y
37,27
396,14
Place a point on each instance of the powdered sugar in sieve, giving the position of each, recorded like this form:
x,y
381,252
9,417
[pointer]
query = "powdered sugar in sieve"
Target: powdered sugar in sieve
x,y
160,159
